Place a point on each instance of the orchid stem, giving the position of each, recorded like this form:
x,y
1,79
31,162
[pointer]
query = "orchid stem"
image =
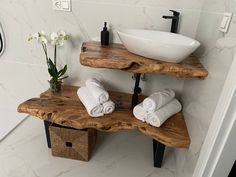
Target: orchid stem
x,y
45,51
55,56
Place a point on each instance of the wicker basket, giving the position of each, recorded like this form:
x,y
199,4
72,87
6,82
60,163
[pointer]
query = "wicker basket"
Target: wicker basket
x,y
72,143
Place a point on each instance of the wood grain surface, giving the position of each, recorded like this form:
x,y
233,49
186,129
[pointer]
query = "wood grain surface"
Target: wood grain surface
x,y
115,56
66,109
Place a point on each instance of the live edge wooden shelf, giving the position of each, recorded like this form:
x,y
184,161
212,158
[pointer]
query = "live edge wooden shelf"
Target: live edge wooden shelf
x,y
66,109
115,56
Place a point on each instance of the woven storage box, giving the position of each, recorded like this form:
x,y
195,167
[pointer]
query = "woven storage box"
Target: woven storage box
x,y
72,143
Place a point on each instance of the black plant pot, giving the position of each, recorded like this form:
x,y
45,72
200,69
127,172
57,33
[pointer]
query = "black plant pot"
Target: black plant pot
x,y
55,86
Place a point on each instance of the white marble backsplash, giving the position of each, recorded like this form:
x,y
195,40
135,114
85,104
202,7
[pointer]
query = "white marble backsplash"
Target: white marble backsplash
x,y
177,4
200,97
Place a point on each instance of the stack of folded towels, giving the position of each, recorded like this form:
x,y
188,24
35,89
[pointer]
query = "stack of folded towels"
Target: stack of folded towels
x,y
157,108
95,98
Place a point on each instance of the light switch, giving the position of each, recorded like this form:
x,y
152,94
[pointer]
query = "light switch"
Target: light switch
x,y
225,23
65,5
62,5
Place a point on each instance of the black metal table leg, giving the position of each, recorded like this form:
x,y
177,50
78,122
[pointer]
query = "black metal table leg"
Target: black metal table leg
x,y
137,91
46,125
158,153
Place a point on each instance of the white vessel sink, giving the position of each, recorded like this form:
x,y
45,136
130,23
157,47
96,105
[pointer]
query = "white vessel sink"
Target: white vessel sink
x,y
158,45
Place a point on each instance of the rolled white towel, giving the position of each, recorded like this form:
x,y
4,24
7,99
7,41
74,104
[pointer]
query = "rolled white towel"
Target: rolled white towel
x,y
108,107
157,118
157,100
97,90
139,112
94,81
93,107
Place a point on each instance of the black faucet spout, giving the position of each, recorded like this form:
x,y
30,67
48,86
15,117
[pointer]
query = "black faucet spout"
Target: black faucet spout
x,y
169,17
175,21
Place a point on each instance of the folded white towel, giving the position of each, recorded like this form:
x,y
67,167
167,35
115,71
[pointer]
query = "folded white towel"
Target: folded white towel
x,y
93,107
94,81
97,90
157,100
108,107
157,118
139,112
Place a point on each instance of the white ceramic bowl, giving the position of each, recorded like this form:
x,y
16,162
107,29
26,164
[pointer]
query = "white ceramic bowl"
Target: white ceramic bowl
x,y
158,45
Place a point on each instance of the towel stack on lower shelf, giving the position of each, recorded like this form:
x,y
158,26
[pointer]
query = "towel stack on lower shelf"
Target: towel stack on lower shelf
x,y
95,98
157,108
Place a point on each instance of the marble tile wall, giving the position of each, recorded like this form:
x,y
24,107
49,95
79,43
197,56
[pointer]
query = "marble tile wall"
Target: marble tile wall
x,y
18,82
200,97
23,73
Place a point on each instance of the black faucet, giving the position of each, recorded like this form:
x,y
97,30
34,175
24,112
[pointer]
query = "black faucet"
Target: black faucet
x,y
175,21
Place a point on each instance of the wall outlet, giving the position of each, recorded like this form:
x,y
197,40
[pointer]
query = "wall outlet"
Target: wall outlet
x,y
62,5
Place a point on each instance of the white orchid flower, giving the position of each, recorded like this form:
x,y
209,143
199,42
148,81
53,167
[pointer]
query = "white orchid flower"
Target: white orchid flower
x,y
57,39
42,40
36,36
33,36
54,36
42,33
41,37
61,34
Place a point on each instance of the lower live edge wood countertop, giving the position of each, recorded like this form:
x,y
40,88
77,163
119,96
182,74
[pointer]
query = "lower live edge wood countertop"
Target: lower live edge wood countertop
x,y
66,109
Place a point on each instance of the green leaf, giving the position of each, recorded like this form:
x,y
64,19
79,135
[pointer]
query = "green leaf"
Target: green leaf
x,y
53,69
63,78
51,73
62,71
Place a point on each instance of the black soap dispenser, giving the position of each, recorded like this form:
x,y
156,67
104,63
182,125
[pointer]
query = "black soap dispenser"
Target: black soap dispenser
x,y
105,35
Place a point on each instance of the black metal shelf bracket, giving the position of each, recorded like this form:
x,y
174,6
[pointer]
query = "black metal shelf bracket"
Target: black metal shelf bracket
x,y
47,125
158,153
158,148
137,91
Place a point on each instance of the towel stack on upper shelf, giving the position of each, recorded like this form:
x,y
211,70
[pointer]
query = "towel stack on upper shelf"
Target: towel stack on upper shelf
x,y
95,98
157,108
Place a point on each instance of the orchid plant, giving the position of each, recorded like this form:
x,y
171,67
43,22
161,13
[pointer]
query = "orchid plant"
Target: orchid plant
x,y
56,39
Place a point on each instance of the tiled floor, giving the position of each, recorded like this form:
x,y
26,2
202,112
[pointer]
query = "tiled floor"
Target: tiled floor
x,y
125,154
